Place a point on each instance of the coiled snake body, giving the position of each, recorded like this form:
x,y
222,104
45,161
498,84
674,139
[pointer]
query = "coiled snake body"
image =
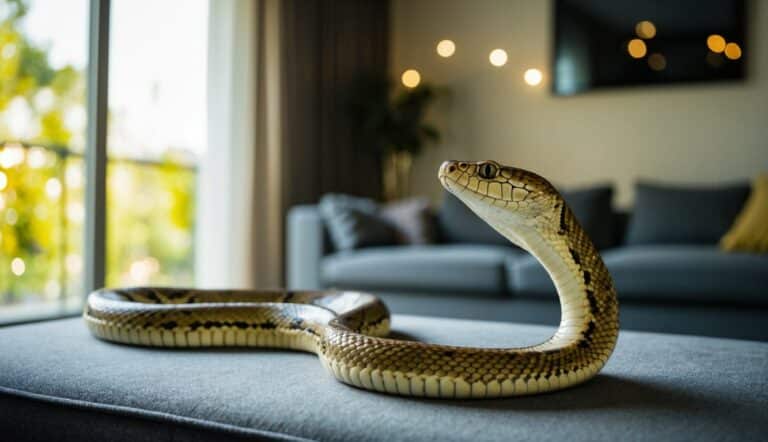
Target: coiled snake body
x,y
347,329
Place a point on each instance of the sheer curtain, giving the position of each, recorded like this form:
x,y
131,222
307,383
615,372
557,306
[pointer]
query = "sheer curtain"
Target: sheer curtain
x,y
239,220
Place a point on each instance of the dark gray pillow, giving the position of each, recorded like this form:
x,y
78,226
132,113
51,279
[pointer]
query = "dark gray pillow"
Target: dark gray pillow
x,y
459,224
591,206
353,222
684,215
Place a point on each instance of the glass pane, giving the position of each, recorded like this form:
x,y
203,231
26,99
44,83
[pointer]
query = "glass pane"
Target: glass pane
x,y
151,208
156,134
43,55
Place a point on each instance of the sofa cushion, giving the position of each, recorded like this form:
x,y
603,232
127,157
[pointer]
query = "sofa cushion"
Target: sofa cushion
x,y
680,215
62,384
696,273
591,206
457,223
446,267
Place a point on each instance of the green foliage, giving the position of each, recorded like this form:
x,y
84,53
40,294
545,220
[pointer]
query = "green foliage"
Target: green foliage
x,y
382,121
150,223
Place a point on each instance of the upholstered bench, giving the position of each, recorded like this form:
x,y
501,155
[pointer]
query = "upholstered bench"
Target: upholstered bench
x,y
59,383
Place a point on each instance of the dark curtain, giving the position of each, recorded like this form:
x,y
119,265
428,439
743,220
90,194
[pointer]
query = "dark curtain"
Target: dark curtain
x,y
327,44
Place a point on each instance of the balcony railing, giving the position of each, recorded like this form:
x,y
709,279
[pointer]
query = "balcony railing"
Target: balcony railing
x,y
150,224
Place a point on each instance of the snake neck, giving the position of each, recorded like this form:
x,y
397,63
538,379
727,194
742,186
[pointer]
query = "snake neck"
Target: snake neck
x,y
588,302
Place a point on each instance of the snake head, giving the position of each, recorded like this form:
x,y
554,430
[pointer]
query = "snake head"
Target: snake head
x,y
509,199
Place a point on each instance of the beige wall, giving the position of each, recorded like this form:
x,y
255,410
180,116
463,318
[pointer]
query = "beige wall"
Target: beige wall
x,y
690,134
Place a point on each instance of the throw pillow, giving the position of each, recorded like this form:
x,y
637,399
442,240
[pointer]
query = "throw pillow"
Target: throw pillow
x,y
684,215
413,220
353,222
593,208
459,224
750,231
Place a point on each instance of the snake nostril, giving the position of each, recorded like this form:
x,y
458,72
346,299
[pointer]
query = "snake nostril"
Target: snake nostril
x,y
451,168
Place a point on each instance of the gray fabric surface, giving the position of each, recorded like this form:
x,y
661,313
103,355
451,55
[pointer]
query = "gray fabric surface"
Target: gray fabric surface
x,y
666,214
698,273
457,267
656,387
716,320
44,418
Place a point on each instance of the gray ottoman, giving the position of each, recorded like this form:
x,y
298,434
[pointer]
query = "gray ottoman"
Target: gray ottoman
x,y
59,383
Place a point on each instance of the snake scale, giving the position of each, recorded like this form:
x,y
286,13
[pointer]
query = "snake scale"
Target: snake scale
x,y
347,330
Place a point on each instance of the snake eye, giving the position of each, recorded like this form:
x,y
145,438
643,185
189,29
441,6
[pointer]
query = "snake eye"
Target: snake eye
x,y
488,171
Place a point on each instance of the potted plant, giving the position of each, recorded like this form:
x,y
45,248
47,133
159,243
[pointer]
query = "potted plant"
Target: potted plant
x,y
391,123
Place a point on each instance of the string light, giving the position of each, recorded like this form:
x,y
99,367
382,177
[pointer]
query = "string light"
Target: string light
x,y
446,48
645,29
636,48
732,51
533,77
716,43
498,57
411,78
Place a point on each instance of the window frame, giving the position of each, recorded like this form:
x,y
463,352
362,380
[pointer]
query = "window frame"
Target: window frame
x,y
97,81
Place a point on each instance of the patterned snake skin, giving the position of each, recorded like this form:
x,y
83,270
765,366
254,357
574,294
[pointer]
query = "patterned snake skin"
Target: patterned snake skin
x,y
347,329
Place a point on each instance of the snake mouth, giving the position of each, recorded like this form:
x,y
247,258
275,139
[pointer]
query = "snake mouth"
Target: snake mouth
x,y
445,179
449,184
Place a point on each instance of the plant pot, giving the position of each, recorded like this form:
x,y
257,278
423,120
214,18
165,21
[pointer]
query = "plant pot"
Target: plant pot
x,y
396,174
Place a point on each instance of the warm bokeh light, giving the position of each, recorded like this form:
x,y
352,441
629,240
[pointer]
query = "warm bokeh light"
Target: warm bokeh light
x,y
53,188
533,77
733,51
446,48
18,267
657,62
411,78
11,155
498,57
645,29
36,157
636,48
716,43
3,180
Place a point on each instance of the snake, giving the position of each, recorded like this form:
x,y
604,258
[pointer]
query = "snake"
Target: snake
x,y
348,330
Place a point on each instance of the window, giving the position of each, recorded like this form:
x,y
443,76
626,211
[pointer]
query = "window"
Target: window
x,y
155,126
156,132
42,140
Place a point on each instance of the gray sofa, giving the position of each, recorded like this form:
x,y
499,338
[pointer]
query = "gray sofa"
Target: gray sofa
x,y
684,288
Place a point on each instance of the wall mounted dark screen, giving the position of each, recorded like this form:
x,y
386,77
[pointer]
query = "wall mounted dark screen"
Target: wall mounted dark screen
x,y
613,43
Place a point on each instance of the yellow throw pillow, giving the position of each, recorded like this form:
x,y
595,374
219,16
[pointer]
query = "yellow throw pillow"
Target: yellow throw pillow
x,y
749,233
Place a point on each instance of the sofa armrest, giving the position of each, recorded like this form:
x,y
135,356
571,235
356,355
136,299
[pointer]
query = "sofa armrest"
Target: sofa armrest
x,y
305,247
